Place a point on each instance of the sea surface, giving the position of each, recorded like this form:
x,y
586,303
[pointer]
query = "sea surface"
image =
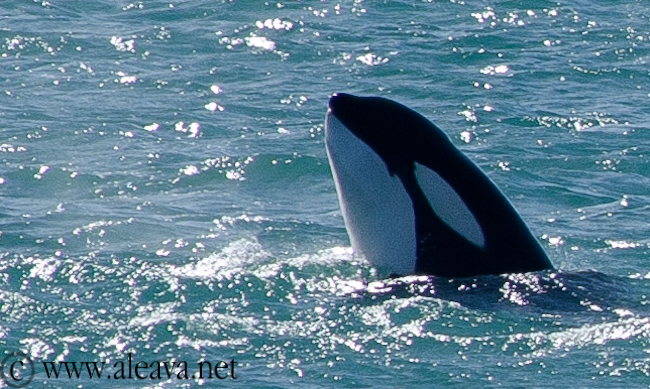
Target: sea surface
x,y
165,194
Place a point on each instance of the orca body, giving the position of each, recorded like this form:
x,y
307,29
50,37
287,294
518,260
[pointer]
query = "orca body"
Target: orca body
x,y
413,203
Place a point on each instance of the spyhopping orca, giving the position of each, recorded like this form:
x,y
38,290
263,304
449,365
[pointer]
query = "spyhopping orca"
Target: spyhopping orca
x,y
413,203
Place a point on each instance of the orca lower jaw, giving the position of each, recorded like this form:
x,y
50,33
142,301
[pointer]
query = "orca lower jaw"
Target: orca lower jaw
x,y
375,207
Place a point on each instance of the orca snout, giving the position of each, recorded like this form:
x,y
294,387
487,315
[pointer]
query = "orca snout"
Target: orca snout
x,y
337,100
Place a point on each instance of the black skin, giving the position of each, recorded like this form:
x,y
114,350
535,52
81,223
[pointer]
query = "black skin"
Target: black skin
x,y
402,137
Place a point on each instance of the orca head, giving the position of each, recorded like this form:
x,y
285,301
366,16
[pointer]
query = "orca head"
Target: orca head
x,y
398,134
412,202
372,143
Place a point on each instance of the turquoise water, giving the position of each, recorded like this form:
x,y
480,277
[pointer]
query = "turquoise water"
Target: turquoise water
x,y
166,193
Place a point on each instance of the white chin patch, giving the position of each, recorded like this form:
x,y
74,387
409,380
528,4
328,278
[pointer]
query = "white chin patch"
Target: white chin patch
x,y
377,210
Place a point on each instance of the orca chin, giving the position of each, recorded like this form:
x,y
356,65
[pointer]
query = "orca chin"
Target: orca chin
x,y
415,204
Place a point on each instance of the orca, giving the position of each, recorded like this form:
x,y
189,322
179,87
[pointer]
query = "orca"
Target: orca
x,y
413,203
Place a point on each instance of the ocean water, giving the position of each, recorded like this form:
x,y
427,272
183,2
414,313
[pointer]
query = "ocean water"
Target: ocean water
x,y
165,192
